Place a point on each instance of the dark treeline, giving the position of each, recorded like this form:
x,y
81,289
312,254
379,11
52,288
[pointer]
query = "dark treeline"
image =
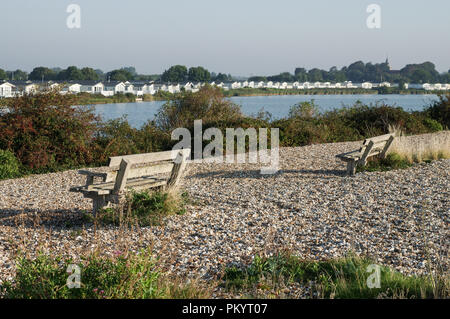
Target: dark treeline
x,y
177,73
356,72
73,73
361,72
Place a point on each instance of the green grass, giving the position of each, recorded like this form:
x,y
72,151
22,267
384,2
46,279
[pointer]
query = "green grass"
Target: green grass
x,y
391,162
338,278
136,276
146,208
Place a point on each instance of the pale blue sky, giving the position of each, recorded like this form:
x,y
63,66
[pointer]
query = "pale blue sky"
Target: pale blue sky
x,y
245,37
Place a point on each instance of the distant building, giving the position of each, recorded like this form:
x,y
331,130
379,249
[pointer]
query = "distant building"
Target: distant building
x,y
113,87
27,87
269,85
427,86
93,87
260,84
235,85
367,85
6,89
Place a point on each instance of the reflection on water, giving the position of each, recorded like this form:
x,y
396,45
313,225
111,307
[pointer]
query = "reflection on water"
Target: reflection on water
x,y
278,105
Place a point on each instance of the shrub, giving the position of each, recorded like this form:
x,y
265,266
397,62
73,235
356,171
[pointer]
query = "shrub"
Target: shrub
x,y
208,105
135,276
432,125
304,110
116,137
9,165
440,110
46,132
375,119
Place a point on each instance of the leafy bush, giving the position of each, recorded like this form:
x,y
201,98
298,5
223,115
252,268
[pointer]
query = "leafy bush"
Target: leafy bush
x,y
9,165
45,132
440,110
338,278
208,104
306,126
116,137
135,276
432,125
304,110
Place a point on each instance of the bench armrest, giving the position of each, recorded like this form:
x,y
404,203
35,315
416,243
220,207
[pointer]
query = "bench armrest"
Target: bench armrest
x,y
94,174
91,175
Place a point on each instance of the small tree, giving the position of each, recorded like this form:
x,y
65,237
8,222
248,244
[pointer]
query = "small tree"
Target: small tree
x,y
208,104
304,109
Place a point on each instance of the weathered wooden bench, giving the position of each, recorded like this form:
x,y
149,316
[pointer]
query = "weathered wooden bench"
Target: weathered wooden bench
x,y
133,172
375,146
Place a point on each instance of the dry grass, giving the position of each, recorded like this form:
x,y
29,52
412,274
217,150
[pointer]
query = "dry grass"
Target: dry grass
x,y
420,148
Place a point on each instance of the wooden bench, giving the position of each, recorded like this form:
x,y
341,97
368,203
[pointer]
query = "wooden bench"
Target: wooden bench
x,y
133,172
374,146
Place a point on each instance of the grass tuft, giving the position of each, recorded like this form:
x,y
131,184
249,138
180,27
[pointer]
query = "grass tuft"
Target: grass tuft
x,y
135,276
339,278
146,208
392,161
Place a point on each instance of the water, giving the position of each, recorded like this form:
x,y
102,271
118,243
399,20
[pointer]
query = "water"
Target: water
x,y
278,105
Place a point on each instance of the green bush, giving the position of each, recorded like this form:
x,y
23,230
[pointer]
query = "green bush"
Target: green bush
x,y
9,165
46,132
304,110
432,125
117,137
208,105
440,110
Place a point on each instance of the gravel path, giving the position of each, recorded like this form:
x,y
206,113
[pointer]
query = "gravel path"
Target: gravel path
x,y
309,207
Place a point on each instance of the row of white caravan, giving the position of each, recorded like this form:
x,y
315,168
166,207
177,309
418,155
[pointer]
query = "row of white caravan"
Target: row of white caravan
x,y
110,88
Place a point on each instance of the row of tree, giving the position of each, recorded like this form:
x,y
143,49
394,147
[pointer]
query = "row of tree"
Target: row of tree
x,y
356,72
362,72
180,74
73,73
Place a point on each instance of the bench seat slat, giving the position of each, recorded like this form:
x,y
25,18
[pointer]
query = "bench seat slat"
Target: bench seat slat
x,y
144,158
144,171
107,188
350,155
377,139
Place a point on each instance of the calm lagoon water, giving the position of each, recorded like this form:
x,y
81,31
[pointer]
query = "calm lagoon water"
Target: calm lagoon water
x,y
278,105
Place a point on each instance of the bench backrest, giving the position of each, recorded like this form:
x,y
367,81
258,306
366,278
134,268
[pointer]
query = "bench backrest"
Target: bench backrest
x,y
123,168
378,145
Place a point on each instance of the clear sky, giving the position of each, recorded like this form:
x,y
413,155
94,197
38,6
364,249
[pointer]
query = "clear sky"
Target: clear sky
x,y
242,37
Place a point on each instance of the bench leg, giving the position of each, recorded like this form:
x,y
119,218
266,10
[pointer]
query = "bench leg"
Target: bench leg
x,y
98,203
351,168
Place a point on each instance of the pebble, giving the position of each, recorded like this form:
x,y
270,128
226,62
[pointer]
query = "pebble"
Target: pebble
x,y
399,218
